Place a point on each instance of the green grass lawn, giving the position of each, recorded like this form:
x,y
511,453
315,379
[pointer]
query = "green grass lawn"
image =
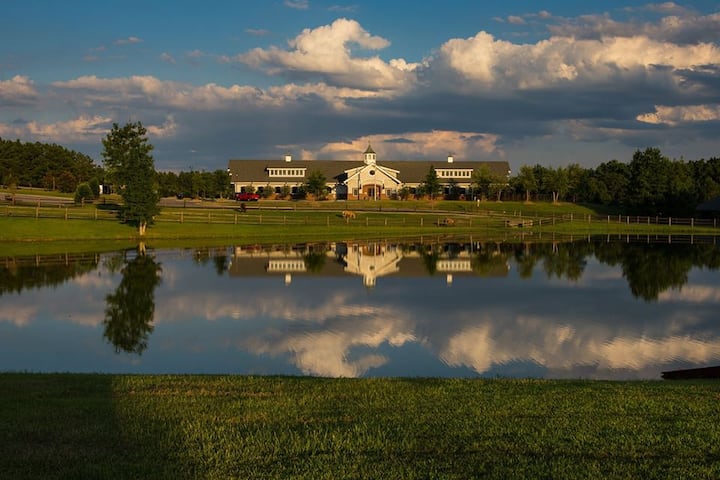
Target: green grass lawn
x,y
29,229
110,426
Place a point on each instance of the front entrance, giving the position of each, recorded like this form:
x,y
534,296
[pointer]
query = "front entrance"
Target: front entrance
x,y
371,192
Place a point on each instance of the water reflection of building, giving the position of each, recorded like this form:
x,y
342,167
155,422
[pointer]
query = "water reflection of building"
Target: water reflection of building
x,y
370,260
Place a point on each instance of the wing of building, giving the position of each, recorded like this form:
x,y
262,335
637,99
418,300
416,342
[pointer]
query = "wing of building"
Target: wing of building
x,y
367,178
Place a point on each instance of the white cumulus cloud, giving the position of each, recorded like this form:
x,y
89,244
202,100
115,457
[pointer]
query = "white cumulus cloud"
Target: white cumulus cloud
x,y
485,62
18,89
665,115
327,52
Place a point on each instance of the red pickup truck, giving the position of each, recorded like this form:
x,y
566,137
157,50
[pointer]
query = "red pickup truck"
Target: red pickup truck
x,y
247,197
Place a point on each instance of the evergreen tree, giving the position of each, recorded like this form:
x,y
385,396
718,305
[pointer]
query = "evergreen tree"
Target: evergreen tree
x,y
431,185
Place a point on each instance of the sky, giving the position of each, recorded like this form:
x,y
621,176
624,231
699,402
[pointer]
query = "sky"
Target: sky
x,y
551,83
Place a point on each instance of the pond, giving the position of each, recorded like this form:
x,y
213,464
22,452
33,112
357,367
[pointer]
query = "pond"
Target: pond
x,y
610,308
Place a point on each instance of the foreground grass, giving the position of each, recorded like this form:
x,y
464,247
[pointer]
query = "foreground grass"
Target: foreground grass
x,y
108,426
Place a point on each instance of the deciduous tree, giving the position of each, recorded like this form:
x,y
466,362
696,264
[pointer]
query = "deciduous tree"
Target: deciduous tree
x,y
128,161
316,184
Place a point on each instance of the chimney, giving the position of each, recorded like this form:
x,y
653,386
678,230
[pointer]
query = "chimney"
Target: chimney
x,y
288,157
450,158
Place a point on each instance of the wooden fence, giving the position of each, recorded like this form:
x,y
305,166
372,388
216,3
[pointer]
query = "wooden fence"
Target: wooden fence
x,y
368,218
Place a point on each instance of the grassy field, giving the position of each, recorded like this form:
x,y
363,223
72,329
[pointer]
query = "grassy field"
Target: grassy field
x,y
280,221
107,426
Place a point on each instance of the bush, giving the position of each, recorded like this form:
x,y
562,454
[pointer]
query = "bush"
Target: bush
x,y
94,187
83,193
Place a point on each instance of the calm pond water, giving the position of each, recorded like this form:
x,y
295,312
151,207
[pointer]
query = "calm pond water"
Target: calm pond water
x,y
614,308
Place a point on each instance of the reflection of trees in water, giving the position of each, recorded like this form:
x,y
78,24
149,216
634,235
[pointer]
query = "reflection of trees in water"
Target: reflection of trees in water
x,y
567,261
315,257
652,269
489,259
130,310
560,260
23,273
218,256
430,256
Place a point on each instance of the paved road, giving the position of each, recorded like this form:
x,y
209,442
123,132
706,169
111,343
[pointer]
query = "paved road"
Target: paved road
x,y
43,199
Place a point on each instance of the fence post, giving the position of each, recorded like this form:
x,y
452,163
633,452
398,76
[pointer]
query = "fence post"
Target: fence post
x,y
327,220
236,219
66,213
182,220
669,221
37,212
421,221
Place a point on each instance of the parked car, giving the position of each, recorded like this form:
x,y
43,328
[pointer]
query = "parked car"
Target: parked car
x,y
247,197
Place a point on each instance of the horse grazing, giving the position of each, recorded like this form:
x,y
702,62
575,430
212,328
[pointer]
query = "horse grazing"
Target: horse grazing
x,y
348,214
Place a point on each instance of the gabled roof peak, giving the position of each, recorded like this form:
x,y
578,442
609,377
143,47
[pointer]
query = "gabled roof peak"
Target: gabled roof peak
x,y
369,149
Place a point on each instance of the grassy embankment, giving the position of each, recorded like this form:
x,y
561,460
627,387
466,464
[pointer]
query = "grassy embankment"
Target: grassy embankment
x,y
95,227
109,426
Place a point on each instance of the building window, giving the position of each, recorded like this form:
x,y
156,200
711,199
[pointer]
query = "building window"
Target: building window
x,y
447,173
286,172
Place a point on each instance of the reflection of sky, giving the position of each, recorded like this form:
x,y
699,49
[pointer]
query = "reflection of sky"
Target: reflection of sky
x,y
405,326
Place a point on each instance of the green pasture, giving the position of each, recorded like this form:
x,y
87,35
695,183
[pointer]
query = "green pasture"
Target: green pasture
x,y
27,228
218,427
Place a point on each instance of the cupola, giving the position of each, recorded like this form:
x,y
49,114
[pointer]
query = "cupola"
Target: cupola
x,y
370,156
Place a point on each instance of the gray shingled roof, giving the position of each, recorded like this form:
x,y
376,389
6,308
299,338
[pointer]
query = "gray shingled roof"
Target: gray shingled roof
x,y
410,171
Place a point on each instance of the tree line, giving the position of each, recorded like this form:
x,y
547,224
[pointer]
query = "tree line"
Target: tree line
x,y
54,167
650,184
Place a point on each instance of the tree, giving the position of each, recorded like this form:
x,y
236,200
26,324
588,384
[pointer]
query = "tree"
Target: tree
x,y
431,185
129,164
556,181
488,183
221,183
67,182
526,181
316,184
130,310
613,182
650,172
482,178
83,193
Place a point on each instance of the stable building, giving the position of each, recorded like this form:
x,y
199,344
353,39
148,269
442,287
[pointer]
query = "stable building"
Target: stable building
x,y
366,179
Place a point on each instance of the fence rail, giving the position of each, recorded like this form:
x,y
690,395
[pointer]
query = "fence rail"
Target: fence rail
x,y
369,218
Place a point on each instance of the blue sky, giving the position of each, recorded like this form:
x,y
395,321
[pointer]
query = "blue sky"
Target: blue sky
x,y
550,82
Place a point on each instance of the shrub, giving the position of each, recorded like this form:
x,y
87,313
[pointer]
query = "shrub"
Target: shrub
x,y
83,193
